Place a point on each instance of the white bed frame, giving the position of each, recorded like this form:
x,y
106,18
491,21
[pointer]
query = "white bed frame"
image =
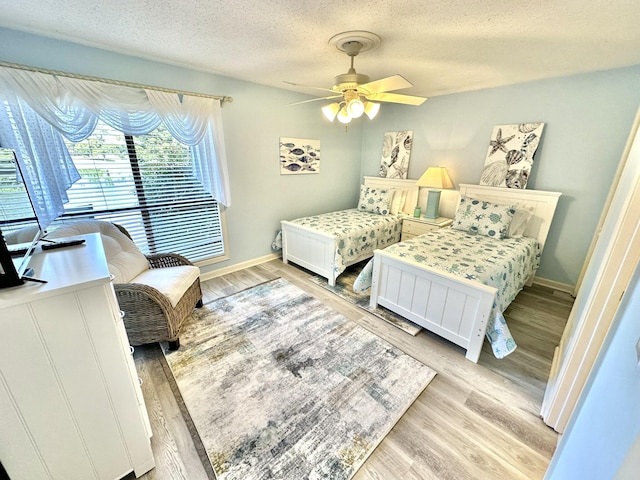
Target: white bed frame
x,y
316,251
451,306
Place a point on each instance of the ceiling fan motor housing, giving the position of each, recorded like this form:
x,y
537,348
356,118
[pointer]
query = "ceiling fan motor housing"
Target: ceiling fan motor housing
x,y
349,80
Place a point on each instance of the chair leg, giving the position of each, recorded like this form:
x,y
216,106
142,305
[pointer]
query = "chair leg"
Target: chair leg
x,y
174,344
199,304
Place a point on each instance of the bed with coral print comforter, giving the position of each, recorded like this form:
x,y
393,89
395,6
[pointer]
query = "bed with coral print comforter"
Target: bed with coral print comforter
x,y
357,234
505,264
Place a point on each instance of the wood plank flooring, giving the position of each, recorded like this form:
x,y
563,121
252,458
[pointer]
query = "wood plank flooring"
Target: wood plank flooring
x,y
474,421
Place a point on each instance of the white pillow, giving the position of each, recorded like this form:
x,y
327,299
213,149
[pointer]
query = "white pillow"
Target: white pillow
x,y
519,222
397,204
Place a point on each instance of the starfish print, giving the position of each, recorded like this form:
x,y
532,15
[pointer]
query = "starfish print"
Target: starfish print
x,y
499,143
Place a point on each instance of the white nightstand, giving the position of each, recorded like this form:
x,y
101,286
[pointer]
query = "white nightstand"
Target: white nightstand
x,y
413,226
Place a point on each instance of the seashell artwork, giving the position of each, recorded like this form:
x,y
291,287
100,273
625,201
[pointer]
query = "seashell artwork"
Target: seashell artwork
x,y
510,155
299,155
396,150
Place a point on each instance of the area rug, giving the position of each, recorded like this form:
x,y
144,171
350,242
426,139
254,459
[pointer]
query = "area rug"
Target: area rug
x,y
344,289
279,386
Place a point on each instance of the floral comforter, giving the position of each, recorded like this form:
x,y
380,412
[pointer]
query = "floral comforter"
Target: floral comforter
x,y
504,264
357,234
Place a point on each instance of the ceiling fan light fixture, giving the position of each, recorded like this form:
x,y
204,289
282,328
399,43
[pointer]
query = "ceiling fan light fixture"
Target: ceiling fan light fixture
x,y
343,116
355,108
330,111
371,109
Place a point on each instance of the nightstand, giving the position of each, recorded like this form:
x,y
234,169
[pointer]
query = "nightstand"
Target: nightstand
x,y
413,226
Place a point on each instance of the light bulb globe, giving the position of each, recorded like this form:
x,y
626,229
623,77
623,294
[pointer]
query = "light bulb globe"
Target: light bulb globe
x,y
343,116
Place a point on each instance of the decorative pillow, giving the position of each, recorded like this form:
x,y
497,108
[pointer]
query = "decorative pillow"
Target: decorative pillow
x,y
375,200
519,222
397,204
483,218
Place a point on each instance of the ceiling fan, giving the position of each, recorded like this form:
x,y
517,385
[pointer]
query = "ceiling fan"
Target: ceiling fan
x,y
357,93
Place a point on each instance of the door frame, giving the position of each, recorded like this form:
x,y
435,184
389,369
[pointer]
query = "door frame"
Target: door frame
x,y
611,263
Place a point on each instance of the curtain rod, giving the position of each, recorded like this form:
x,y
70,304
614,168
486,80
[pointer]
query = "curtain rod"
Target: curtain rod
x,y
223,99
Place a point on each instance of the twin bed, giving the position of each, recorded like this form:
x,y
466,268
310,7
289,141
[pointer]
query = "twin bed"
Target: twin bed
x,y
327,244
451,282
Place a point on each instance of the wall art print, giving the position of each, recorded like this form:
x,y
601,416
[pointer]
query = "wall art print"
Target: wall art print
x,y
510,155
396,150
299,156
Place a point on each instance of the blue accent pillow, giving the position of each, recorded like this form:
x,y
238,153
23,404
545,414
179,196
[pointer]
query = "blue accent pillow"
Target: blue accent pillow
x,y
479,217
375,200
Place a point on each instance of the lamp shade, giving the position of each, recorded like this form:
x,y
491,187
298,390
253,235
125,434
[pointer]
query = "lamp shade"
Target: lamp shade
x,y
371,109
330,111
435,177
355,108
343,116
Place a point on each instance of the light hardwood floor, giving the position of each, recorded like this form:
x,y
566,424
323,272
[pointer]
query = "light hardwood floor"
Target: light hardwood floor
x,y
474,421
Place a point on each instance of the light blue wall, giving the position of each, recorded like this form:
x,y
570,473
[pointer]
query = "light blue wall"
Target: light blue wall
x,y
606,421
587,117
587,122
253,125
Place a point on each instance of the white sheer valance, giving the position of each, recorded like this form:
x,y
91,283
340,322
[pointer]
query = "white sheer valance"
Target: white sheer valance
x,y
74,106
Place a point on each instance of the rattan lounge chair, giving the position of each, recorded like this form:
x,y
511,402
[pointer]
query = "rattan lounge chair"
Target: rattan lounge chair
x,y
156,292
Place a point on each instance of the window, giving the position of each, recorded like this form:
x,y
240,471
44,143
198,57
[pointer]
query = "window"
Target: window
x,y
166,194
147,184
15,209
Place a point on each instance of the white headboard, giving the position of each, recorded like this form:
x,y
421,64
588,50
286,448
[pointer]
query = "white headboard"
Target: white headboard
x,y
542,204
397,184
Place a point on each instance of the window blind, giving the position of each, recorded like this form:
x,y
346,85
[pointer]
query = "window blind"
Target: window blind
x,y
147,184
15,207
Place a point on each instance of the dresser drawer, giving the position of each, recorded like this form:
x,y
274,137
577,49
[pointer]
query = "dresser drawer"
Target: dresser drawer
x,y
415,228
412,227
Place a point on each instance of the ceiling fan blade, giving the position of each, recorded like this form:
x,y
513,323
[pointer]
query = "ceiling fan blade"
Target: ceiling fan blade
x,y
316,99
396,98
395,82
309,86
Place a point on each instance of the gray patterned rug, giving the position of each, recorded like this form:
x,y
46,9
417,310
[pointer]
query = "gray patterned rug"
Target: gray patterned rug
x,y
344,289
279,386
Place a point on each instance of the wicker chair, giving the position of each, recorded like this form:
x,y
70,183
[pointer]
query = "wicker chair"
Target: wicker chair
x,y
155,302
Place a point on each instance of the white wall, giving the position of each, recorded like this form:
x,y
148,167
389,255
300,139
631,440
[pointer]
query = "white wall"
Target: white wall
x,y
587,119
606,422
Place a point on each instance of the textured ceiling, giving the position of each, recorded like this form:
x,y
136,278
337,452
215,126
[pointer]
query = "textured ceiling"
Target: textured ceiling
x,y
441,46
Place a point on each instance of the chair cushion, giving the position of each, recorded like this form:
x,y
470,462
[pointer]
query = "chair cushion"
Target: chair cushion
x,y
24,235
172,282
124,258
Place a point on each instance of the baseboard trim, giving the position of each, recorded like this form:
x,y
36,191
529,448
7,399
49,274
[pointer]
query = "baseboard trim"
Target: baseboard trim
x,y
238,266
563,287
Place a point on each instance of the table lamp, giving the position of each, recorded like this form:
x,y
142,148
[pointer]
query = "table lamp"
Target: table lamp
x,y
435,179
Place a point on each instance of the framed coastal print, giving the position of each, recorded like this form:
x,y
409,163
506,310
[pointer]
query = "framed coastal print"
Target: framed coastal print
x,y
299,156
510,155
396,150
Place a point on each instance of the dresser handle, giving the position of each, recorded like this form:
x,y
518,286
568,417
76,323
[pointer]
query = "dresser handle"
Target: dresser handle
x,y
131,349
122,314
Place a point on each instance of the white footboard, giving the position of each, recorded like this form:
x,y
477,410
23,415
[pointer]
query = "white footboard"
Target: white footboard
x,y
452,307
310,249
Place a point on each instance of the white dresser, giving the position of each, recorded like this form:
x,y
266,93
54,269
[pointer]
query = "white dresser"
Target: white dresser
x,y
71,406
